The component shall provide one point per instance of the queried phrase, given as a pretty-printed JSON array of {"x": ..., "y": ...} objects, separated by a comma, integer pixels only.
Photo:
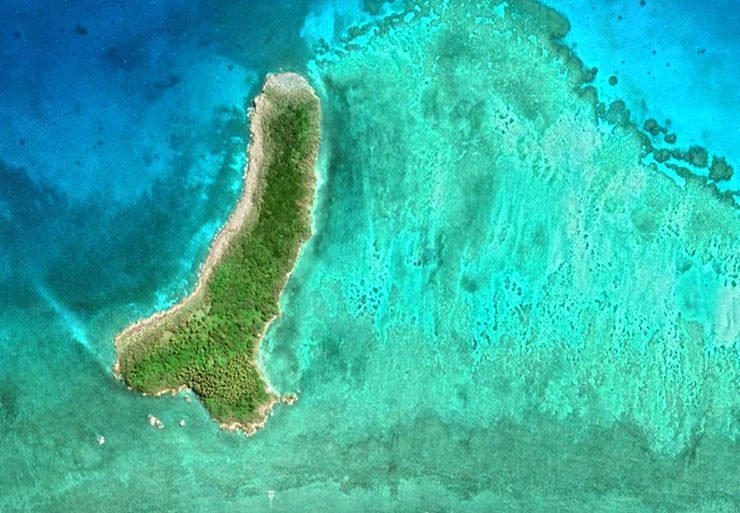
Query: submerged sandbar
[{"x": 208, "y": 341}]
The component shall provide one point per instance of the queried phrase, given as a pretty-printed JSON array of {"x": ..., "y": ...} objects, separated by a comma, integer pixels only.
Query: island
[{"x": 208, "y": 342}]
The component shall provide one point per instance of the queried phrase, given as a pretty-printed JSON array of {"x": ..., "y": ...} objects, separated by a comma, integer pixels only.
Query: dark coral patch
[{"x": 720, "y": 169}]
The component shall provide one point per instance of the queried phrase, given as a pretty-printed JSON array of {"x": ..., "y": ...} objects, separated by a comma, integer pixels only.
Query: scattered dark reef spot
[
  {"x": 613, "y": 80},
  {"x": 373, "y": 6},
  {"x": 644, "y": 221},
  {"x": 662, "y": 155},
  {"x": 8, "y": 404},
  {"x": 156, "y": 88},
  {"x": 125, "y": 58},
  {"x": 652, "y": 127},
  {"x": 698, "y": 156},
  {"x": 469, "y": 284},
  {"x": 617, "y": 113},
  {"x": 590, "y": 74},
  {"x": 81, "y": 30},
  {"x": 720, "y": 169}
]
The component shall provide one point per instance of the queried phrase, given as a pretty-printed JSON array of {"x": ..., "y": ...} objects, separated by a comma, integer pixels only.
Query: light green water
[
  {"x": 501, "y": 310},
  {"x": 500, "y": 297}
]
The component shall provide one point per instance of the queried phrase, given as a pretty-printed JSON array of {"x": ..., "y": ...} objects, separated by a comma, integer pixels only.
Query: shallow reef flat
[
  {"x": 208, "y": 341},
  {"x": 504, "y": 306},
  {"x": 516, "y": 226},
  {"x": 502, "y": 284}
]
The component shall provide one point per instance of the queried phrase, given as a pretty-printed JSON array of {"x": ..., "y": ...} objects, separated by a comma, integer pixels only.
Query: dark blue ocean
[{"x": 124, "y": 129}]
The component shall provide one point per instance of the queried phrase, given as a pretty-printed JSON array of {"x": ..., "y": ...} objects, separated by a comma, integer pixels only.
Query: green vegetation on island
[{"x": 209, "y": 341}]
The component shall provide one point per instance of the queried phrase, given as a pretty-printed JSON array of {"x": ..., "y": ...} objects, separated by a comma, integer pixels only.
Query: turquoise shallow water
[{"x": 501, "y": 309}]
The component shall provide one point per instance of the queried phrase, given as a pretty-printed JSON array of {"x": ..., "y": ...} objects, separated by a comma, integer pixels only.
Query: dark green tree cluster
[{"x": 210, "y": 345}]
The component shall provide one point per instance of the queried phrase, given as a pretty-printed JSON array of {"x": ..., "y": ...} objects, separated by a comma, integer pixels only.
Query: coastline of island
[{"x": 208, "y": 341}]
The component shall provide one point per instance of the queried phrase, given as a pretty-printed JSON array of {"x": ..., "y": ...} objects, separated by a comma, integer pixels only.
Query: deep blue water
[
  {"x": 122, "y": 147},
  {"x": 121, "y": 153},
  {"x": 676, "y": 61}
]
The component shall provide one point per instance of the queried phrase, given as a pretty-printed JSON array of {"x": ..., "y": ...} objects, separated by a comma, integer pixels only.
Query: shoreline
[
  {"x": 244, "y": 213},
  {"x": 245, "y": 206}
]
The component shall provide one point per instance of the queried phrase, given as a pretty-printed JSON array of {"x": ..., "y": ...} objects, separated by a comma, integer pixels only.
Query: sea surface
[{"x": 503, "y": 307}]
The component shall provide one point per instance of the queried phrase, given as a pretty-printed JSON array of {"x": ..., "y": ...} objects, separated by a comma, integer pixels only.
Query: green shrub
[{"x": 210, "y": 345}]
